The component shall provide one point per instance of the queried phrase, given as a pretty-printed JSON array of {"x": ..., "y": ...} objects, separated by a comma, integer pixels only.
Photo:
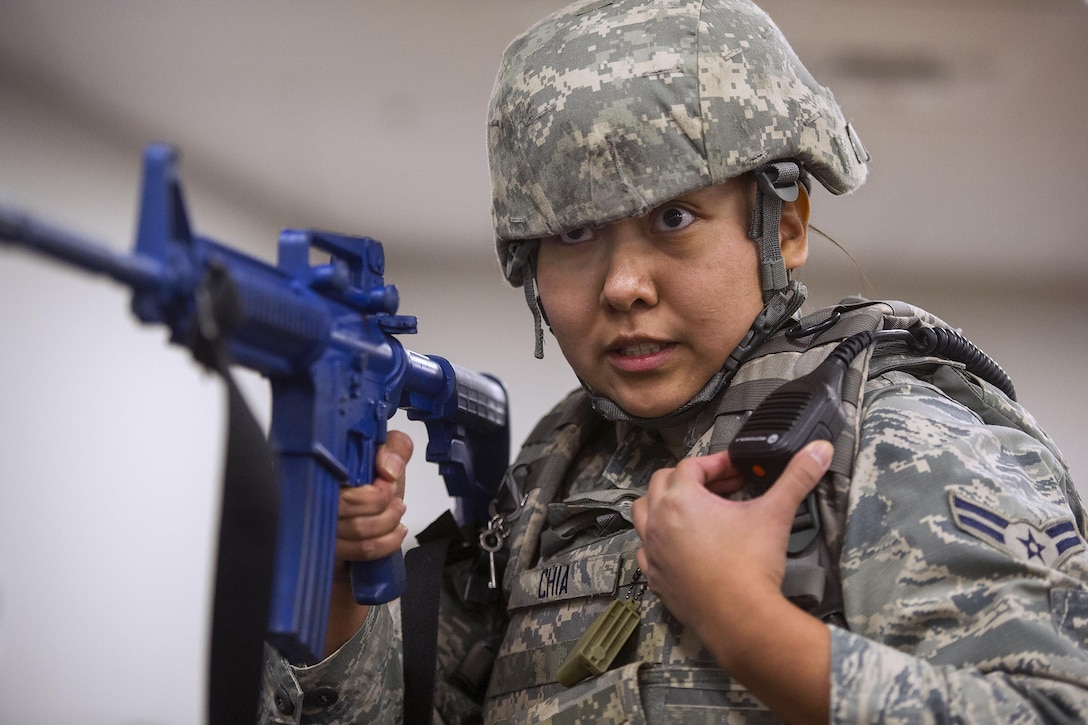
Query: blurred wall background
[{"x": 367, "y": 117}]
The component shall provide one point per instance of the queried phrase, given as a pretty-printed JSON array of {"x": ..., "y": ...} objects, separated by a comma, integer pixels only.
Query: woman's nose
[{"x": 629, "y": 278}]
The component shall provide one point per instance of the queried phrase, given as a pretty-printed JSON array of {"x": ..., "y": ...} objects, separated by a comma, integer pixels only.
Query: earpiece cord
[{"x": 937, "y": 341}]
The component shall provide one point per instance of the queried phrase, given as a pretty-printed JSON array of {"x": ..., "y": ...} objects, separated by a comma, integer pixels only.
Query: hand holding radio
[{"x": 709, "y": 557}]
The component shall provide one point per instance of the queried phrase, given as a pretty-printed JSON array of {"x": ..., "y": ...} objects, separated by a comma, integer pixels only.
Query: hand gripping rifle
[{"x": 324, "y": 336}]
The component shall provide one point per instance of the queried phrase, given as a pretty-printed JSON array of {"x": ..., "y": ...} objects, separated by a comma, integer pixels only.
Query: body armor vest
[{"x": 572, "y": 555}]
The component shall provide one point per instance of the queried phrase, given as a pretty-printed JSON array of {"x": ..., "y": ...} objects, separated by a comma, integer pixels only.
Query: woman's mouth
[
  {"x": 640, "y": 356},
  {"x": 642, "y": 348}
]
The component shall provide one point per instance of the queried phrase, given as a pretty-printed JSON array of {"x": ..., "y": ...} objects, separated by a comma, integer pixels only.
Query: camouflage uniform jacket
[{"x": 948, "y": 515}]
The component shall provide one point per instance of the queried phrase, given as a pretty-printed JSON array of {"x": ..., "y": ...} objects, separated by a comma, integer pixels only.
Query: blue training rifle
[{"x": 324, "y": 336}]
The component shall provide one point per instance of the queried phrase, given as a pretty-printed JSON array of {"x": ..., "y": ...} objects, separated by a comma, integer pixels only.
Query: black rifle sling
[
  {"x": 419, "y": 616},
  {"x": 248, "y": 523},
  {"x": 243, "y": 573}
]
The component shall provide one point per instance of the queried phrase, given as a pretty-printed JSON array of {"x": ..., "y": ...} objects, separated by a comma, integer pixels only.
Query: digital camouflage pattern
[
  {"x": 964, "y": 569},
  {"x": 605, "y": 110},
  {"x": 959, "y": 536},
  {"x": 353, "y": 685},
  {"x": 586, "y": 549}
]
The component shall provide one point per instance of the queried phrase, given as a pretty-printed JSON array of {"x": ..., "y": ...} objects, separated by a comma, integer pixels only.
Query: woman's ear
[{"x": 794, "y": 229}]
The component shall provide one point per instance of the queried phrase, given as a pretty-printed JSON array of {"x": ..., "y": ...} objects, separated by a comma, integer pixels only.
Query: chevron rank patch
[{"x": 1050, "y": 544}]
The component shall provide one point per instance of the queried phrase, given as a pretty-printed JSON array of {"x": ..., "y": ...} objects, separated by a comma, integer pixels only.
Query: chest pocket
[
  {"x": 660, "y": 676},
  {"x": 551, "y": 606}
]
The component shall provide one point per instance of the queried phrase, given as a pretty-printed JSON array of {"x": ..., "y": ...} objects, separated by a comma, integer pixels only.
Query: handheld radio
[{"x": 810, "y": 407}]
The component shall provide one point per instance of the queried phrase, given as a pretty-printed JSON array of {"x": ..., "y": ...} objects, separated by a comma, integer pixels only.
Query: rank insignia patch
[{"x": 1050, "y": 543}]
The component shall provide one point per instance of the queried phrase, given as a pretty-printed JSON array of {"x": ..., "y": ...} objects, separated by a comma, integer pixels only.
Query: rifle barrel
[{"x": 21, "y": 229}]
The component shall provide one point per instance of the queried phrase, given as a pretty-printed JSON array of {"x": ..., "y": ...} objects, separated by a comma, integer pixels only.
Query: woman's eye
[
  {"x": 574, "y": 236},
  {"x": 671, "y": 218}
]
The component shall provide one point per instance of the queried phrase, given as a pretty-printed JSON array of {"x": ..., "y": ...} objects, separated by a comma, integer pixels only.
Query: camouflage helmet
[{"x": 607, "y": 109}]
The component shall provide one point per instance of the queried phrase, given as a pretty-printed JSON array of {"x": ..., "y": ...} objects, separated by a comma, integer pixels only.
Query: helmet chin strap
[
  {"x": 776, "y": 183},
  {"x": 523, "y": 254}
]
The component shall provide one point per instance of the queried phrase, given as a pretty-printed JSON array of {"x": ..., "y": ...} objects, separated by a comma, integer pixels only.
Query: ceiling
[{"x": 367, "y": 116}]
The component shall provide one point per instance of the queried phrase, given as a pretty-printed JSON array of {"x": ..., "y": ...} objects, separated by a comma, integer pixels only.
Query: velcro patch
[
  {"x": 1050, "y": 543},
  {"x": 562, "y": 580}
]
